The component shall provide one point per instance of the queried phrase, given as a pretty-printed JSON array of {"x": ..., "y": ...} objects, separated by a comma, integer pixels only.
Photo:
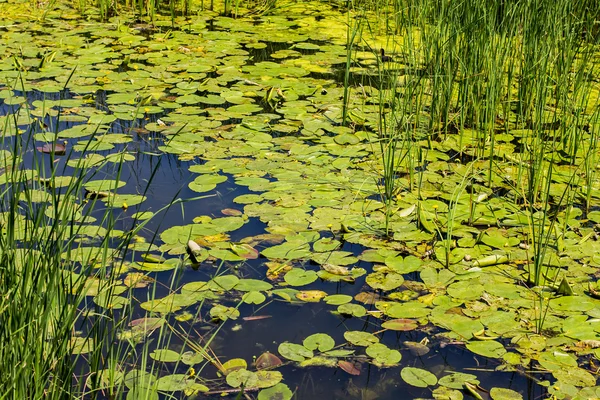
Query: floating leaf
[
  {"x": 456, "y": 380},
  {"x": 572, "y": 303},
  {"x": 411, "y": 309},
  {"x": 224, "y": 313},
  {"x": 267, "y": 379},
  {"x": 489, "y": 348},
  {"x": 233, "y": 365},
  {"x": 300, "y": 277},
  {"x": 338, "y": 299},
  {"x": 465, "y": 290},
  {"x": 418, "y": 377},
  {"x": 555, "y": 360},
  {"x": 172, "y": 383},
  {"x": 319, "y": 341},
  {"x": 575, "y": 376},
  {"x": 241, "y": 377},
  {"x": 247, "y": 285},
  {"x": 319, "y": 361},
  {"x": 288, "y": 251},
  {"x": 253, "y": 298},
  {"x": 505, "y": 394},
  {"x": 191, "y": 358},
  {"x": 311, "y": 296},
  {"x": 353, "y": 310},
  {"x": 359, "y": 338},
  {"x": 277, "y": 392},
  {"x": 244, "y": 250},
  {"x": 165, "y": 355},
  {"x": 386, "y": 282},
  {"x": 400, "y": 324},
  {"x": 383, "y": 355},
  {"x": 294, "y": 352}
]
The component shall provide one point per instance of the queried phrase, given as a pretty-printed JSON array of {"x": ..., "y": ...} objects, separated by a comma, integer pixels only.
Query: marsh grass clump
[
  {"x": 472, "y": 73},
  {"x": 60, "y": 244}
]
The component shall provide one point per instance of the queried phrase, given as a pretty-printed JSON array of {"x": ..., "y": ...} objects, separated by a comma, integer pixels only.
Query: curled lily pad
[
  {"x": 57, "y": 149},
  {"x": 244, "y": 250},
  {"x": 267, "y": 360},
  {"x": 349, "y": 367}
]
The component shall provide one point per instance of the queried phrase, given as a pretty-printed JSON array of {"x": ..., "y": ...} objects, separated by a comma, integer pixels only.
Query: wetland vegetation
[{"x": 310, "y": 200}]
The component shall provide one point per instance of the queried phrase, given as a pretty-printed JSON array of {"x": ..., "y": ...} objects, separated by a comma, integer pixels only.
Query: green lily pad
[
  {"x": 278, "y": 392},
  {"x": 411, "y": 309},
  {"x": 487, "y": 348},
  {"x": 224, "y": 313},
  {"x": 465, "y": 290},
  {"x": 288, "y": 251},
  {"x": 456, "y": 380},
  {"x": 383, "y": 356},
  {"x": 575, "y": 376},
  {"x": 165, "y": 355},
  {"x": 319, "y": 341},
  {"x": 505, "y": 394},
  {"x": 247, "y": 285},
  {"x": 572, "y": 303},
  {"x": 557, "y": 360},
  {"x": 418, "y": 377},
  {"x": 172, "y": 383},
  {"x": 300, "y": 277},
  {"x": 253, "y": 298},
  {"x": 386, "y": 282},
  {"x": 354, "y": 310},
  {"x": 359, "y": 338},
  {"x": 294, "y": 352},
  {"x": 400, "y": 324},
  {"x": 206, "y": 183},
  {"x": 337, "y": 299}
]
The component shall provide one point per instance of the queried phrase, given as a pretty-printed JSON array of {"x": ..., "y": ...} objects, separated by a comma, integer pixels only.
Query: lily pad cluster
[{"x": 450, "y": 254}]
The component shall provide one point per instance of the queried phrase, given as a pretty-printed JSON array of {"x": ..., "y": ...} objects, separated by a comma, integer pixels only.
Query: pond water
[{"x": 219, "y": 145}]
